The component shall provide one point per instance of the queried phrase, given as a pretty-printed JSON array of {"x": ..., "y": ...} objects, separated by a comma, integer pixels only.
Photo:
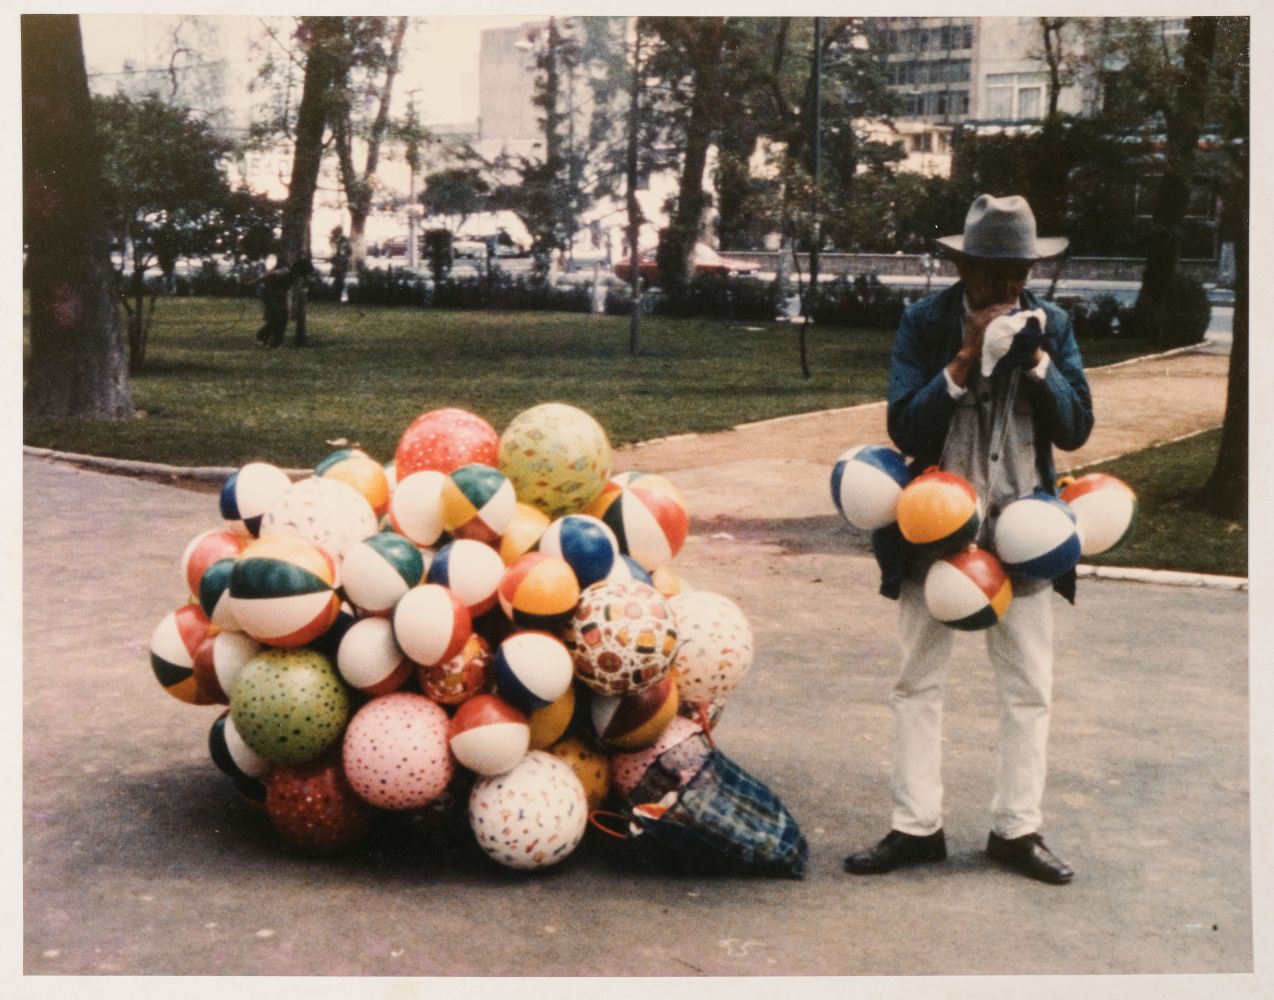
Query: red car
[{"x": 703, "y": 260}]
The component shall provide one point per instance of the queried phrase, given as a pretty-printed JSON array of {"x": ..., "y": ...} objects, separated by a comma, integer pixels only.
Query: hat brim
[{"x": 1046, "y": 248}]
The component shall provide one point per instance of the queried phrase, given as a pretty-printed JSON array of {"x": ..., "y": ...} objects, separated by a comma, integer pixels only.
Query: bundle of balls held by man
[
  {"x": 489, "y": 623},
  {"x": 1039, "y": 537}
]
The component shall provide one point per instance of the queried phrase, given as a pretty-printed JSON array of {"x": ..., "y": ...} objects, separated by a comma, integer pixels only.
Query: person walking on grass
[
  {"x": 997, "y": 431},
  {"x": 276, "y": 294}
]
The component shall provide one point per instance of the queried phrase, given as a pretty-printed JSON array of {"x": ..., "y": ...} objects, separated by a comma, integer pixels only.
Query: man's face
[{"x": 993, "y": 282}]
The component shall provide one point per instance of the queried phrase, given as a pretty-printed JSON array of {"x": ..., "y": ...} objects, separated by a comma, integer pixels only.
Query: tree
[
  {"x": 77, "y": 364},
  {"x": 455, "y": 193},
  {"x": 164, "y": 184}
]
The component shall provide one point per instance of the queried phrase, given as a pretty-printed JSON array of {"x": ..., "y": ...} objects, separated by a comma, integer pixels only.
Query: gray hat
[{"x": 1003, "y": 229}]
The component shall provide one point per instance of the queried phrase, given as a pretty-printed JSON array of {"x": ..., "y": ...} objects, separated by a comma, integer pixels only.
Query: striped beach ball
[
  {"x": 586, "y": 543},
  {"x": 647, "y": 514},
  {"x": 205, "y": 549},
  {"x": 551, "y": 721},
  {"x": 939, "y": 512},
  {"x": 214, "y": 594},
  {"x": 1038, "y": 537},
  {"x": 283, "y": 591},
  {"x": 415, "y": 507},
  {"x": 532, "y": 669},
  {"x": 488, "y": 735},
  {"x": 635, "y": 720},
  {"x": 174, "y": 645},
  {"x": 325, "y": 512},
  {"x": 218, "y": 662},
  {"x": 523, "y": 532},
  {"x": 370, "y": 659},
  {"x": 539, "y": 591},
  {"x": 377, "y": 571},
  {"x": 628, "y": 568},
  {"x": 969, "y": 590},
  {"x": 471, "y": 570},
  {"x": 249, "y": 493},
  {"x": 866, "y": 484},
  {"x": 431, "y": 624},
  {"x": 238, "y": 761},
  {"x": 445, "y": 439},
  {"x": 477, "y": 502},
  {"x": 1106, "y": 508},
  {"x": 356, "y": 468},
  {"x": 628, "y": 768}
]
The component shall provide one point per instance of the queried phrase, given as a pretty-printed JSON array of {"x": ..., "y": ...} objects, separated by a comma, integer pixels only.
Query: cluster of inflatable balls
[
  {"x": 1037, "y": 537},
  {"x": 489, "y": 621}
]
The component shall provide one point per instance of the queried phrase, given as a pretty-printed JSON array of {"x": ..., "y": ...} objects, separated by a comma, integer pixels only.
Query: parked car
[
  {"x": 472, "y": 249},
  {"x": 393, "y": 246},
  {"x": 703, "y": 260}
]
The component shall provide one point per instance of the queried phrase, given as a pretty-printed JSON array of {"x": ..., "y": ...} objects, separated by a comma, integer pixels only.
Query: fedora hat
[{"x": 1002, "y": 229}]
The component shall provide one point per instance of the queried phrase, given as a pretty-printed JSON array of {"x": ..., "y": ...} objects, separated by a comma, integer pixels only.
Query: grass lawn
[
  {"x": 1170, "y": 531},
  {"x": 210, "y": 397}
]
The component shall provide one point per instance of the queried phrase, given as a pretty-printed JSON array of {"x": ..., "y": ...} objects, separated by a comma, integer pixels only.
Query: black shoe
[
  {"x": 1028, "y": 855},
  {"x": 895, "y": 850}
]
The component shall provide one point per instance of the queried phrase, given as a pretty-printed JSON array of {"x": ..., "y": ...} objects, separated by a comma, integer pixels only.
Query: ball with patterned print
[
  {"x": 622, "y": 637},
  {"x": 714, "y": 649},
  {"x": 532, "y": 816}
]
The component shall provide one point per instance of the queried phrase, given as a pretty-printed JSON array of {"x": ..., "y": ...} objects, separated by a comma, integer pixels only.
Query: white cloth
[
  {"x": 1021, "y": 654},
  {"x": 1000, "y": 333}
]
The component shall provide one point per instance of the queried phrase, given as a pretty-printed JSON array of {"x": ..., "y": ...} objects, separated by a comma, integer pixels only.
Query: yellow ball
[
  {"x": 524, "y": 530},
  {"x": 591, "y": 767},
  {"x": 550, "y": 722}
]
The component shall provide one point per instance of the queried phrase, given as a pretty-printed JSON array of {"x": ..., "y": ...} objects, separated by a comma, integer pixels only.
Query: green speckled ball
[{"x": 289, "y": 705}]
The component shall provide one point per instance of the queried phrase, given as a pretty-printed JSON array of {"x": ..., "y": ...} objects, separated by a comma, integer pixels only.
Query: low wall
[{"x": 912, "y": 265}]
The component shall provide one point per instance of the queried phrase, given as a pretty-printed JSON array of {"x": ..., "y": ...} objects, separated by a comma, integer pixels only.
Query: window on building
[
  {"x": 922, "y": 142},
  {"x": 1029, "y": 101},
  {"x": 1014, "y": 96},
  {"x": 999, "y": 95}
]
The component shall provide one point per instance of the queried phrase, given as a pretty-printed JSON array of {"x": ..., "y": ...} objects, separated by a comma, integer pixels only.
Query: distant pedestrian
[
  {"x": 276, "y": 293},
  {"x": 999, "y": 433}
]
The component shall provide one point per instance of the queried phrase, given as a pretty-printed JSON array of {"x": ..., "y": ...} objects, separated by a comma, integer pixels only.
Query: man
[
  {"x": 998, "y": 431},
  {"x": 276, "y": 292}
]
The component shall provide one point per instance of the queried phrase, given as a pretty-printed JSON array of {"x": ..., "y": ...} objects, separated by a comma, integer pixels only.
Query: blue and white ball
[
  {"x": 866, "y": 483},
  {"x": 472, "y": 570},
  {"x": 1038, "y": 537},
  {"x": 586, "y": 543},
  {"x": 532, "y": 669},
  {"x": 626, "y": 569},
  {"x": 249, "y": 493},
  {"x": 377, "y": 571}
]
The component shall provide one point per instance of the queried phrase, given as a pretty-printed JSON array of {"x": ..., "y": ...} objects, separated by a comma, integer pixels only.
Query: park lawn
[
  {"x": 1171, "y": 531},
  {"x": 209, "y": 396}
]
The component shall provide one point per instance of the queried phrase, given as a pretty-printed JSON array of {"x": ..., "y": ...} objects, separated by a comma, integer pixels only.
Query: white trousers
[{"x": 1020, "y": 647}]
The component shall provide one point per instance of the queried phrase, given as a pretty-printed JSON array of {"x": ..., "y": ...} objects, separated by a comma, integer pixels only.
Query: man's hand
[{"x": 969, "y": 357}]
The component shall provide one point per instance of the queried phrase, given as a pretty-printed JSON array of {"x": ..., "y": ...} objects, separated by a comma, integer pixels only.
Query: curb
[{"x": 1167, "y": 577}]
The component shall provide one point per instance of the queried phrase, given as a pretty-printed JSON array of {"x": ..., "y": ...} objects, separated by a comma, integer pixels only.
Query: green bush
[
  {"x": 713, "y": 295},
  {"x": 503, "y": 292},
  {"x": 862, "y": 301},
  {"x": 1100, "y": 317},
  {"x": 390, "y": 286},
  {"x": 1186, "y": 314}
]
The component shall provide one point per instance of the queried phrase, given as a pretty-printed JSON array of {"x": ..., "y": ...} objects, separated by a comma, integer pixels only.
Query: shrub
[
  {"x": 711, "y": 295},
  {"x": 862, "y": 301},
  {"x": 1100, "y": 317},
  {"x": 1186, "y": 314},
  {"x": 391, "y": 286}
]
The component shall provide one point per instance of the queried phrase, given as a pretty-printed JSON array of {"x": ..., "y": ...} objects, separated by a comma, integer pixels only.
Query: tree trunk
[
  {"x": 634, "y": 206},
  {"x": 77, "y": 365},
  {"x": 1154, "y": 300}
]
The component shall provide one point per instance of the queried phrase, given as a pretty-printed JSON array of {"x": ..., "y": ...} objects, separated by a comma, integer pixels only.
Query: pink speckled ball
[
  {"x": 395, "y": 752},
  {"x": 532, "y": 816},
  {"x": 627, "y": 769},
  {"x": 443, "y": 440}
]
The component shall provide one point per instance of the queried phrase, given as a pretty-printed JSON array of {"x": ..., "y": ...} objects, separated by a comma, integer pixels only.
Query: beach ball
[
  {"x": 377, "y": 571},
  {"x": 648, "y": 516},
  {"x": 369, "y": 658},
  {"x": 532, "y": 669},
  {"x": 714, "y": 650},
  {"x": 866, "y": 484},
  {"x": 532, "y": 816},
  {"x": 330, "y": 641},
  {"x": 627, "y": 769},
  {"x": 325, "y": 512},
  {"x": 622, "y": 637},
  {"x": 391, "y": 475},
  {"x": 239, "y": 762},
  {"x": 588, "y": 546},
  {"x": 218, "y": 662},
  {"x": 969, "y": 590},
  {"x": 628, "y": 568},
  {"x": 470, "y": 570},
  {"x": 415, "y": 507},
  {"x": 557, "y": 457},
  {"x": 313, "y": 807},
  {"x": 395, "y": 751},
  {"x": 249, "y": 493},
  {"x": 638, "y": 719},
  {"x": 443, "y": 440},
  {"x": 939, "y": 512},
  {"x": 523, "y": 532},
  {"x": 289, "y": 705},
  {"x": 488, "y": 735},
  {"x": 431, "y": 624},
  {"x": 456, "y": 680},
  {"x": 283, "y": 591},
  {"x": 203, "y": 551},
  {"x": 539, "y": 591},
  {"x": 358, "y": 469},
  {"x": 549, "y": 722},
  {"x": 592, "y": 768},
  {"x": 213, "y": 594},
  {"x": 1105, "y": 507},
  {"x": 668, "y": 583},
  {"x": 174, "y": 645},
  {"x": 477, "y": 502},
  {"x": 1038, "y": 537}
]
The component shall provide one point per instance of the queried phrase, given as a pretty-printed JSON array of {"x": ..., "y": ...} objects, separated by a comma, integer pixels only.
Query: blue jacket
[{"x": 920, "y": 408}]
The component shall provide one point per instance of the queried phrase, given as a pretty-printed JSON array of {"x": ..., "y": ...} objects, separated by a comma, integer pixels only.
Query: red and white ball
[
  {"x": 218, "y": 662},
  {"x": 370, "y": 659},
  {"x": 969, "y": 591},
  {"x": 638, "y": 719},
  {"x": 431, "y": 624},
  {"x": 1106, "y": 508},
  {"x": 488, "y": 735},
  {"x": 647, "y": 514},
  {"x": 205, "y": 549},
  {"x": 415, "y": 507}
]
